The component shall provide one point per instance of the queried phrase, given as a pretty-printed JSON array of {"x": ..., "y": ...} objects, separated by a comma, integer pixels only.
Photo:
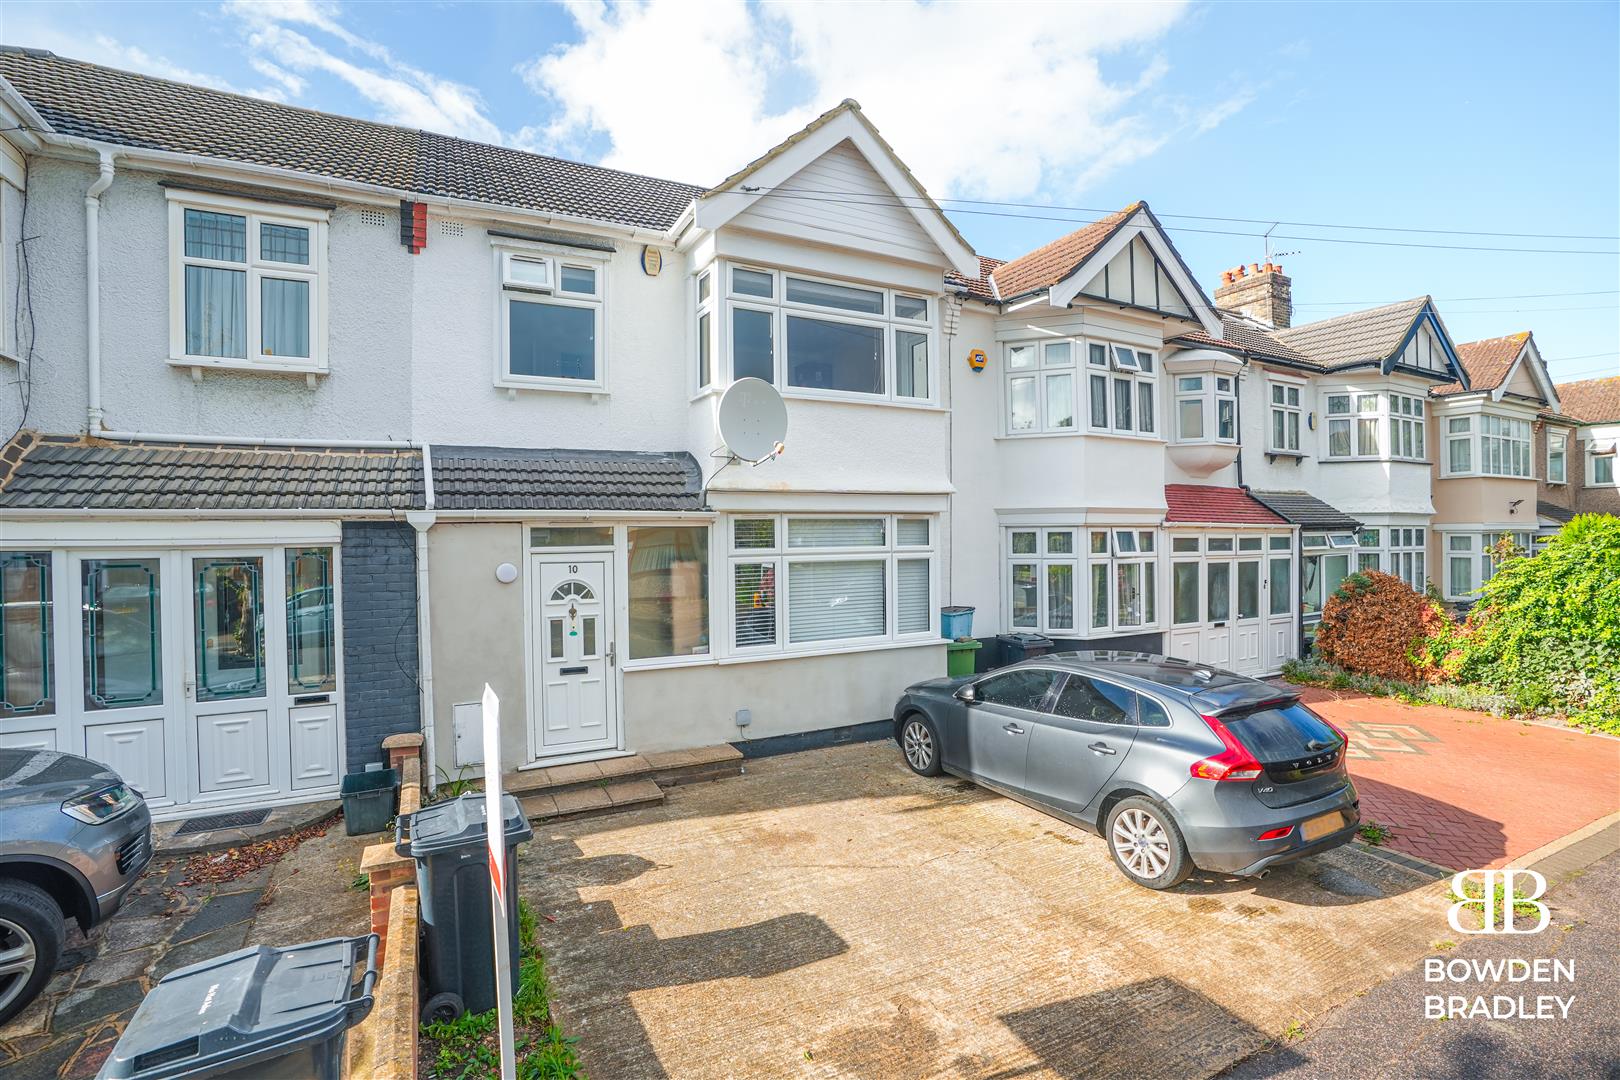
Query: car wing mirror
[{"x": 967, "y": 694}]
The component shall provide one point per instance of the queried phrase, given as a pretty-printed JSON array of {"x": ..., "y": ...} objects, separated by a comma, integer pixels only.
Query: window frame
[
  {"x": 1560, "y": 439},
  {"x": 1512, "y": 441},
  {"x": 781, "y": 556},
  {"x": 781, "y": 309},
  {"x": 1291, "y": 412},
  {"x": 1590, "y": 477},
  {"x": 1116, "y": 373},
  {"x": 315, "y": 219},
  {"x": 1041, "y": 373},
  {"x": 1210, "y": 396},
  {"x": 552, "y": 295}
]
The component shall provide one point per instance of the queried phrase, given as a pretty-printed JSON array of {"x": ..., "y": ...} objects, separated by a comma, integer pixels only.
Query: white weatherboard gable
[
  {"x": 1141, "y": 225},
  {"x": 722, "y": 208},
  {"x": 1135, "y": 276}
]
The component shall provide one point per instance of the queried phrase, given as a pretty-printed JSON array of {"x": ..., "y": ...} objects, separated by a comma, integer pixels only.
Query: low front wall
[{"x": 680, "y": 707}]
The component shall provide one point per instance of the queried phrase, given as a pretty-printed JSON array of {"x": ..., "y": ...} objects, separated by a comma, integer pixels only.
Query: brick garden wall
[{"x": 380, "y": 664}]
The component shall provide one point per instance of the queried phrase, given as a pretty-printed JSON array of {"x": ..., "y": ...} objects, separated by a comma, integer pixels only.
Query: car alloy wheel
[
  {"x": 1141, "y": 843},
  {"x": 917, "y": 742},
  {"x": 17, "y": 960}
]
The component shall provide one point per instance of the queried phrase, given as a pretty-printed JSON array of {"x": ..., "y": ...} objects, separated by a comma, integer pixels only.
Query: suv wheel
[
  {"x": 31, "y": 936},
  {"x": 920, "y": 745},
  {"x": 1146, "y": 845}
]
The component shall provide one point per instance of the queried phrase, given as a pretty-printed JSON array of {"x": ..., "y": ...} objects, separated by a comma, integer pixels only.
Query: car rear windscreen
[{"x": 1282, "y": 732}]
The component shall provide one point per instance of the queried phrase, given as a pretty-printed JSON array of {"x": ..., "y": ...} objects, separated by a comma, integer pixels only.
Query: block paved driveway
[
  {"x": 1465, "y": 790},
  {"x": 830, "y": 914}
]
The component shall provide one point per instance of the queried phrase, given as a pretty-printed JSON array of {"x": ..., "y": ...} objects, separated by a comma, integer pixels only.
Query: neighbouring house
[
  {"x": 324, "y": 424},
  {"x": 1595, "y": 405}
]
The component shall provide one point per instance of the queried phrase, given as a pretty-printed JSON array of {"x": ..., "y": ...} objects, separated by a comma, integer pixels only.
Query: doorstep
[
  {"x": 280, "y": 822},
  {"x": 617, "y": 783}
]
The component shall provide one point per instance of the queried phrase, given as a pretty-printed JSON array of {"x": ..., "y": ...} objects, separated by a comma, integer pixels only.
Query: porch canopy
[
  {"x": 1200, "y": 504},
  {"x": 1307, "y": 511}
]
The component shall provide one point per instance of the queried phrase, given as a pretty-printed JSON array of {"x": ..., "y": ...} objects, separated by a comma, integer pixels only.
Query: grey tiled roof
[
  {"x": 59, "y": 475},
  {"x": 1562, "y": 515},
  {"x": 127, "y": 109},
  {"x": 1245, "y": 336},
  {"x": 1370, "y": 335},
  {"x": 1306, "y": 510},
  {"x": 496, "y": 478}
]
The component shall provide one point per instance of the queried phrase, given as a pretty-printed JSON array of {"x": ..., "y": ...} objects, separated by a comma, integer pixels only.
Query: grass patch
[
  {"x": 1472, "y": 890},
  {"x": 361, "y": 883},
  {"x": 1374, "y": 833},
  {"x": 468, "y": 1047}
]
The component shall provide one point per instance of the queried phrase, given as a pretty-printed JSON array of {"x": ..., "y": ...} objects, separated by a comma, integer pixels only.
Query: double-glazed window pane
[
  {"x": 1025, "y": 595},
  {"x": 1248, "y": 589},
  {"x": 753, "y": 344},
  {"x": 911, "y": 532},
  {"x": 1144, "y": 405},
  {"x": 911, "y": 596},
  {"x": 123, "y": 633},
  {"x": 551, "y": 341},
  {"x": 1021, "y": 403},
  {"x": 1184, "y": 592},
  {"x": 705, "y": 350},
  {"x": 221, "y": 237},
  {"x": 910, "y": 364},
  {"x": 835, "y": 355},
  {"x": 216, "y": 312},
  {"x": 754, "y": 601},
  {"x": 911, "y": 307},
  {"x": 753, "y": 533},
  {"x": 841, "y": 598},
  {"x": 228, "y": 594},
  {"x": 1099, "y": 401},
  {"x": 284, "y": 317},
  {"x": 1059, "y": 401},
  {"x": 1060, "y": 596},
  {"x": 577, "y": 279},
  {"x": 669, "y": 591},
  {"x": 1338, "y": 438},
  {"x": 835, "y": 532},
  {"x": 1220, "y": 591},
  {"x": 1099, "y": 595},
  {"x": 1132, "y": 599},
  {"x": 283, "y": 243},
  {"x": 1122, "y": 404},
  {"x": 1225, "y": 418},
  {"x": 1602, "y": 469},
  {"x": 311, "y": 624},
  {"x": 1190, "y": 418},
  {"x": 752, "y": 283},
  {"x": 1281, "y": 574},
  {"x": 27, "y": 678},
  {"x": 843, "y": 297},
  {"x": 571, "y": 536}
]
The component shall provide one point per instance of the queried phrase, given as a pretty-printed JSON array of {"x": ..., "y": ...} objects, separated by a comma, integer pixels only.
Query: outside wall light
[{"x": 506, "y": 573}]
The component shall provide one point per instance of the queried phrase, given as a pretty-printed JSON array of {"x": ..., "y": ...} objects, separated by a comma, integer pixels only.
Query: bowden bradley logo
[{"x": 1495, "y": 899}]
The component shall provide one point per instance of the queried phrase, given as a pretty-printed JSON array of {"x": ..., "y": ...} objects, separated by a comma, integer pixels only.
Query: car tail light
[
  {"x": 1233, "y": 763},
  {"x": 1275, "y": 834},
  {"x": 1337, "y": 730}
]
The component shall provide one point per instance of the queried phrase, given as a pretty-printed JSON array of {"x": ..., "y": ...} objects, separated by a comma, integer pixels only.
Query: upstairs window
[
  {"x": 1557, "y": 457},
  {"x": 1406, "y": 427},
  {"x": 245, "y": 284},
  {"x": 551, "y": 321},
  {"x": 1285, "y": 417},
  {"x": 1120, "y": 389},
  {"x": 705, "y": 329},
  {"x": 1206, "y": 408},
  {"x": 1040, "y": 387},
  {"x": 1599, "y": 469},
  {"x": 1487, "y": 445}
]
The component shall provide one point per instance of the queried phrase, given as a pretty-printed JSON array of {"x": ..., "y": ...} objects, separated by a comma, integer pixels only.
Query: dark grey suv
[
  {"x": 1177, "y": 765},
  {"x": 73, "y": 839}
]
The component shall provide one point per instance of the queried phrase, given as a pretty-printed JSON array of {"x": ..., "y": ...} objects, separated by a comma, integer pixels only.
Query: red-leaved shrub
[{"x": 1371, "y": 623}]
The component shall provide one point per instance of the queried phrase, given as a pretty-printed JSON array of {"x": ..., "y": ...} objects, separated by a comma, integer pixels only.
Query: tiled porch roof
[
  {"x": 1306, "y": 510},
  {"x": 488, "y": 477},
  {"x": 1553, "y": 512},
  {"x": 1190, "y": 504}
]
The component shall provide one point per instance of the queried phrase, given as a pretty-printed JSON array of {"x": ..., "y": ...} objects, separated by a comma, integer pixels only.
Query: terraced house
[{"x": 322, "y": 424}]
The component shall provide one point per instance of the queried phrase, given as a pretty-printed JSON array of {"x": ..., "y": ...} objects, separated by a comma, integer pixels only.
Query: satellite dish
[{"x": 753, "y": 419}]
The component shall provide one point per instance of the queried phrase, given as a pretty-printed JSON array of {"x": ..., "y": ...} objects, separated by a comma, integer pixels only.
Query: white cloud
[{"x": 979, "y": 99}]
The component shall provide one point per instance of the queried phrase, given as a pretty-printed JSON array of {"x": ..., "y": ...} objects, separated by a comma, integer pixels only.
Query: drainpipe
[
  {"x": 423, "y": 521},
  {"x": 92, "y": 285}
]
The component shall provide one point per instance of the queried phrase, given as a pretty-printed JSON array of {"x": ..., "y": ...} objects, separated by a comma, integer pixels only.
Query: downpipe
[{"x": 92, "y": 285}]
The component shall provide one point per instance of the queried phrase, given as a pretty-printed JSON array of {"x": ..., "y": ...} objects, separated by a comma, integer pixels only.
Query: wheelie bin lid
[
  {"x": 249, "y": 1006},
  {"x": 1025, "y": 639},
  {"x": 457, "y": 823}
]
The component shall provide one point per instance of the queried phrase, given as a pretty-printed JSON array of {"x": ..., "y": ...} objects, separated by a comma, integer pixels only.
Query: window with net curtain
[
  {"x": 229, "y": 281},
  {"x": 669, "y": 591}
]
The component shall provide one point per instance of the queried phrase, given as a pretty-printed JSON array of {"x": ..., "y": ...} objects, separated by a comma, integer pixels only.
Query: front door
[
  {"x": 119, "y": 677},
  {"x": 573, "y": 655},
  {"x": 1246, "y": 625},
  {"x": 234, "y": 641}
]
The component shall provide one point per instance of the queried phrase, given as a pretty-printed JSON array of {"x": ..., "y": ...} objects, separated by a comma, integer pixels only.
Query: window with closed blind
[{"x": 807, "y": 583}]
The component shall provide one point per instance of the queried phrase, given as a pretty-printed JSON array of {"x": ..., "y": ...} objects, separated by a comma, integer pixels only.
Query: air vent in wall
[
  {"x": 452, "y": 228},
  {"x": 374, "y": 217}
]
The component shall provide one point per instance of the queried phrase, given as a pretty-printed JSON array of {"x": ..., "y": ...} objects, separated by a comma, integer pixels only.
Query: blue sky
[{"x": 1482, "y": 117}]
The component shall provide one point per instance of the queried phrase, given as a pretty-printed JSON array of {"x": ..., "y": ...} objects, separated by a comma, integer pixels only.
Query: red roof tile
[
  {"x": 1592, "y": 401},
  {"x": 1487, "y": 362},
  {"x": 1215, "y": 505},
  {"x": 1051, "y": 263},
  {"x": 979, "y": 287}
]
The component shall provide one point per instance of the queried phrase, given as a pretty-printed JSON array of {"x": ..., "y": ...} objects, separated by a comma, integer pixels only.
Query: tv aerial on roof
[{"x": 752, "y": 421}]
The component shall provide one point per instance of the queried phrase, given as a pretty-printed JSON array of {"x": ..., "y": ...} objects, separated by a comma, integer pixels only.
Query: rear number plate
[{"x": 1318, "y": 827}]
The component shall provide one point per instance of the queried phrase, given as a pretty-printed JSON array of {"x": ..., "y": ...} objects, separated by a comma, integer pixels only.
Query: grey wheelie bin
[
  {"x": 452, "y": 875},
  {"x": 255, "y": 1014}
]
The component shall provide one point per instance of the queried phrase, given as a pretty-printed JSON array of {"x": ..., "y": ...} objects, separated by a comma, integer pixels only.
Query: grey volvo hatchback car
[
  {"x": 73, "y": 839},
  {"x": 1177, "y": 765}
]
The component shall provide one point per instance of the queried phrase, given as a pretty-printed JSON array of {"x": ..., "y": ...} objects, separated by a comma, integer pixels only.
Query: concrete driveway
[{"x": 832, "y": 915}]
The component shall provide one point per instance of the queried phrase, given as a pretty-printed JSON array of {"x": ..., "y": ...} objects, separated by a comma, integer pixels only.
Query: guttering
[
  {"x": 267, "y": 441},
  {"x": 92, "y": 289},
  {"x": 201, "y": 513},
  {"x": 427, "y": 476},
  {"x": 423, "y": 521}
]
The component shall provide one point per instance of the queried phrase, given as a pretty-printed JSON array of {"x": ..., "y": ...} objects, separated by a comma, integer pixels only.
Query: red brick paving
[{"x": 1466, "y": 790}]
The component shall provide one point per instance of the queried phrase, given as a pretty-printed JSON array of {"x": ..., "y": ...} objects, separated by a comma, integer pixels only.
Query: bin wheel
[{"x": 443, "y": 1007}]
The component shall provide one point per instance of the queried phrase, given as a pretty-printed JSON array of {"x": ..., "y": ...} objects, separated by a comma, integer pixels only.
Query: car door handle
[
  {"x": 1012, "y": 729},
  {"x": 1102, "y": 748}
]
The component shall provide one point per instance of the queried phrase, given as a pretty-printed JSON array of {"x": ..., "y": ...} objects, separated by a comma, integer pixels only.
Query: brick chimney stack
[{"x": 1259, "y": 290}]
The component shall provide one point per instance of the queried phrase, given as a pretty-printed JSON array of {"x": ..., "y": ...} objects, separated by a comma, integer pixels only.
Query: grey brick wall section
[{"x": 380, "y": 665}]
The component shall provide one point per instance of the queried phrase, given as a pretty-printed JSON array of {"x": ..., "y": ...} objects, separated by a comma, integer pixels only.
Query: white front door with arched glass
[{"x": 573, "y": 656}]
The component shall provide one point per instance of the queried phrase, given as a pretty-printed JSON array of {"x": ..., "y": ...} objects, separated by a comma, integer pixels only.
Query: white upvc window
[
  {"x": 1043, "y": 571},
  {"x": 1206, "y": 408},
  {"x": 1471, "y": 560},
  {"x": 1557, "y": 457},
  {"x": 1121, "y": 389},
  {"x": 549, "y": 320},
  {"x": 1040, "y": 387},
  {"x": 704, "y": 326},
  {"x": 802, "y": 584},
  {"x": 1406, "y": 427},
  {"x": 1286, "y": 413},
  {"x": 1599, "y": 467},
  {"x": 247, "y": 284},
  {"x": 1397, "y": 550},
  {"x": 1121, "y": 579},
  {"x": 817, "y": 337},
  {"x": 1326, "y": 560},
  {"x": 1488, "y": 445}
]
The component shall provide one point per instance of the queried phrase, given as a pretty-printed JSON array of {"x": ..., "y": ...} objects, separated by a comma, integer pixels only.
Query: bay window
[
  {"x": 808, "y": 582},
  {"x": 1206, "y": 408},
  {"x": 1043, "y": 565},
  {"x": 1557, "y": 457},
  {"x": 1285, "y": 417},
  {"x": 246, "y": 284},
  {"x": 1070, "y": 581},
  {"x": 1406, "y": 427},
  {"x": 828, "y": 337},
  {"x": 1488, "y": 445},
  {"x": 551, "y": 321},
  {"x": 1122, "y": 579},
  {"x": 1040, "y": 387},
  {"x": 1471, "y": 559},
  {"x": 669, "y": 591},
  {"x": 1120, "y": 389}
]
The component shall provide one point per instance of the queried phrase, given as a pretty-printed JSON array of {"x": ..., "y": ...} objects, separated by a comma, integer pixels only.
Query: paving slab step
[
  {"x": 665, "y": 768},
  {"x": 601, "y": 798}
]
